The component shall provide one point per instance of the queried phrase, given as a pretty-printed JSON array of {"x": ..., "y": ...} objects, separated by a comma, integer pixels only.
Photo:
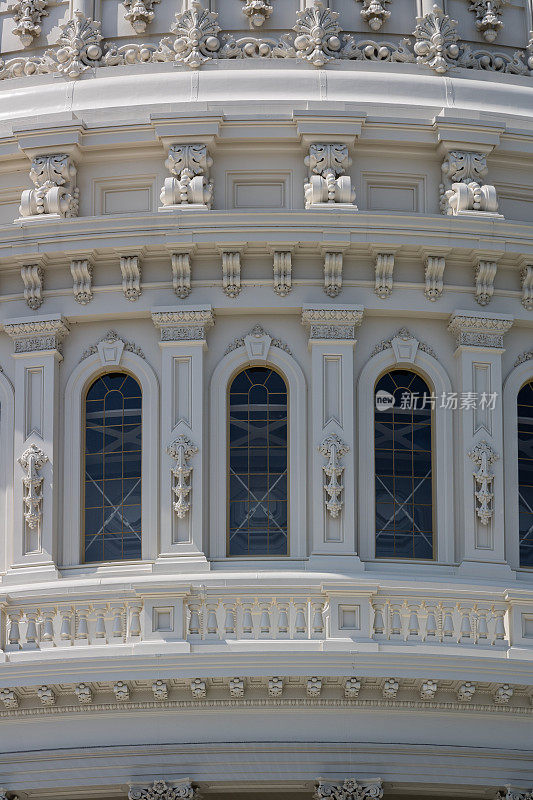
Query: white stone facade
[{"x": 331, "y": 192}]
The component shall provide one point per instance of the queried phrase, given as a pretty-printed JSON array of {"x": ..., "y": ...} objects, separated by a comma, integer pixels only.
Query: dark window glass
[
  {"x": 403, "y": 475},
  {"x": 257, "y": 493},
  {"x": 525, "y": 474},
  {"x": 112, "y": 472}
]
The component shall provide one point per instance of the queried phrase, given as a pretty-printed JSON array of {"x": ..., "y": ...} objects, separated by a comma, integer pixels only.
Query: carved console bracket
[
  {"x": 231, "y": 273},
  {"x": 484, "y": 274},
  {"x": 33, "y": 279},
  {"x": 527, "y": 284},
  {"x": 483, "y": 457},
  {"x": 130, "y": 268},
  {"x": 384, "y": 268},
  {"x": 350, "y": 789},
  {"x": 434, "y": 272},
  {"x": 463, "y": 191},
  {"x": 282, "y": 272},
  {"x": 332, "y": 322},
  {"x": 327, "y": 185},
  {"x": 333, "y": 272},
  {"x": 181, "y": 273},
  {"x": 191, "y": 187},
  {"x": 31, "y": 462},
  {"x": 182, "y": 450},
  {"x": 333, "y": 449},
  {"x": 55, "y": 194},
  {"x": 82, "y": 275}
]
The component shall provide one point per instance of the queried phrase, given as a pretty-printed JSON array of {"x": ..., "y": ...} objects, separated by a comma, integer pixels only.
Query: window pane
[
  {"x": 112, "y": 517},
  {"x": 403, "y": 475},
  {"x": 257, "y": 480},
  {"x": 525, "y": 473}
]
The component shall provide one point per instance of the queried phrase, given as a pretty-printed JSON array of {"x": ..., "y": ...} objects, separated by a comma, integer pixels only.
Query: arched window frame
[
  {"x": 224, "y": 373},
  {"x": 7, "y": 426},
  {"x": 520, "y": 375},
  {"x": 438, "y": 382},
  {"x": 75, "y": 391}
]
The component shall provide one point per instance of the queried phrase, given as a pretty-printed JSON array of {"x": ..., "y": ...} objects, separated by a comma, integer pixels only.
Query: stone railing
[{"x": 493, "y": 620}]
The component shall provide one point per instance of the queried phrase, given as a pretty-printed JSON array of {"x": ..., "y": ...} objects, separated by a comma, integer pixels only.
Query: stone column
[
  {"x": 183, "y": 458},
  {"x": 479, "y": 440},
  {"x": 37, "y": 354},
  {"x": 332, "y": 344}
]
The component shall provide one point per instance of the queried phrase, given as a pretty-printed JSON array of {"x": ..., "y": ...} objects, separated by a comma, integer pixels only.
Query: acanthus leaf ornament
[
  {"x": 31, "y": 462},
  {"x": 317, "y": 40},
  {"x": 327, "y": 183},
  {"x": 197, "y": 38},
  {"x": 55, "y": 192},
  {"x": 436, "y": 41},
  {"x": 80, "y": 47},
  {"x": 139, "y": 13},
  {"x": 161, "y": 790},
  {"x": 374, "y": 13},
  {"x": 463, "y": 188},
  {"x": 488, "y": 13},
  {"x": 333, "y": 449},
  {"x": 190, "y": 164},
  {"x": 349, "y": 789},
  {"x": 484, "y": 457},
  {"x": 28, "y": 15},
  {"x": 182, "y": 450},
  {"x": 257, "y": 12}
]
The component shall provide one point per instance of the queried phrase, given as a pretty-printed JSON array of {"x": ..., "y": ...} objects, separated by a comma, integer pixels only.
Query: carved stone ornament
[
  {"x": 333, "y": 273},
  {"x": 181, "y": 274},
  {"x": 82, "y": 275},
  {"x": 182, "y": 450},
  {"x": 484, "y": 457},
  {"x": 479, "y": 331},
  {"x": 332, "y": 322},
  {"x": 130, "y": 268},
  {"x": 80, "y": 47},
  {"x": 28, "y": 15},
  {"x": 258, "y": 342},
  {"x": 510, "y": 793},
  {"x": 282, "y": 272},
  {"x": 139, "y": 13},
  {"x": 317, "y": 38},
  {"x": 485, "y": 272},
  {"x": 33, "y": 278},
  {"x": 110, "y": 348},
  {"x": 256, "y": 11},
  {"x": 191, "y": 186},
  {"x": 384, "y": 268},
  {"x": 37, "y": 335},
  {"x": 333, "y": 450},
  {"x": 160, "y": 790},
  {"x": 350, "y": 789},
  {"x": 463, "y": 189},
  {"x": 436, "y": 41},
  {"x": 231, "y": 273},
  {"x": 197, "y": 38},
  {"x": 375, "y": 13},
  {"x": 488, "y": 13},
  {"x": 327, "y": 184},
  {"x": 31, "y": 462},
  {"x": 405, "y": 346},
  {"x": 523, "y": 357},
  {"x": 55, "y": 192},
  {"x": 434, "y": 272},
  {"x": 527, "y": 287},
  {"x": 188, "y": 323}
]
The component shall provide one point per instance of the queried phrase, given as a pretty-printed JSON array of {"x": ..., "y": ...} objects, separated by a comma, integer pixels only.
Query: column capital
[
  {"x": 32, "y": 334},
  {"x": 183, "y": 324},
  {"x": 328, "y": 322},
  {"x": 475, "y": 329}
]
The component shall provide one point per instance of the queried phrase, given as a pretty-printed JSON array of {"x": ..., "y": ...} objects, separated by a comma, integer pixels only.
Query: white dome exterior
[{"x": 331, "y": 195}]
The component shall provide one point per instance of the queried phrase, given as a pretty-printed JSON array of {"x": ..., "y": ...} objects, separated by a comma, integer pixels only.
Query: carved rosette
[
  {"x": 55, "y": 192},
  {"x": 31, "y": 462},
  {"x": 28, "y": 15},
  {"x": 182, "y": 450},
  {"x": 484, "y": 457},
  {"x": 463, "y": 188},
  {"x": 327, "y": 182},
  {"x": 436, "y": 41},
  {"x": 317, "y": 35},
  {"x": 139, "y": 13},
  {"x": 197, "y": 38},
  {"x": 191, "y": 186},
  {"x": 333, "y": 450},
  {"x": 375, "y": 13}
]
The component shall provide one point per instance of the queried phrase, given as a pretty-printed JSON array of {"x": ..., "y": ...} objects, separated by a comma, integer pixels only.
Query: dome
[{"x": 266, "y": 400}]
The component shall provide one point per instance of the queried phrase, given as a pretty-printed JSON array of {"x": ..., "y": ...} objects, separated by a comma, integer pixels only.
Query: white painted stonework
[{"x": 332, "y": 191}]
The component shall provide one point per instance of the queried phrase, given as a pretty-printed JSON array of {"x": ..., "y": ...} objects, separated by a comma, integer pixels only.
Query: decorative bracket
[
  {"x": 333, "y": 449},
  {"x": 28, "y": 15},
  {"x": 257, "y": 12},
  {"x": 139, "y": 13},
  {"x": 181, "y": 449},
  {"x": 488, "y": 13},
  {"x": 31, "y": 462},
  {"x": 55, "y": 192},
  {"x": 463, "y": 190},
  {"x": 483, "y": 457},
  {"x": 327, "y": 185},
  {"x": 190, "y": 187},
  {"x": 374, "y": 13}
]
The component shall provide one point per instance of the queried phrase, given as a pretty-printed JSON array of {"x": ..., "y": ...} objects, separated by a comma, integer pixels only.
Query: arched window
[
  {"x": 257, "y": 474},
  {"x": 112, "y": 470},
  {"x": 525, "y": 473},
  {"x": 403, "y": 468}
]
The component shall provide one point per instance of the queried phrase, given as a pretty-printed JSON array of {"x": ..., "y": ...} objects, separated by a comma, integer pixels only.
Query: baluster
[
  {"x": 117, "y": 626},
  {"x": 300, "y": 622},
  {"x": 379, "y": 622},
  {"x": 247, "y": 620},
  {"x": 48, "y": 625},
  {"x": 14, "y": 630},
  {"x": 99, "y": 629},
  {"x": 32, "y": 637},
  {"x": 414, "y": 625},
  {"x": 264, "y": 620},
  {"x": 135, "y": 619},
  {"x": 396, "y": 621},
  {"x": 466, "y": 625},
  {"x": 431, "y": 623},
  {"x": 447, "y": 622},
  {"x": 318, "y": 619},
  {"x": 82, "y": 625},
  {"x": 482, "y": 626},
  {"x": 500, "y": 625},
  {"x": 65, "y": 632},
  {"x": 212, "y": 622},
  {"x": 283, "y": 620},
  {"x": 194, "y": 620},
  {"x": 229, "y": 619}
]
